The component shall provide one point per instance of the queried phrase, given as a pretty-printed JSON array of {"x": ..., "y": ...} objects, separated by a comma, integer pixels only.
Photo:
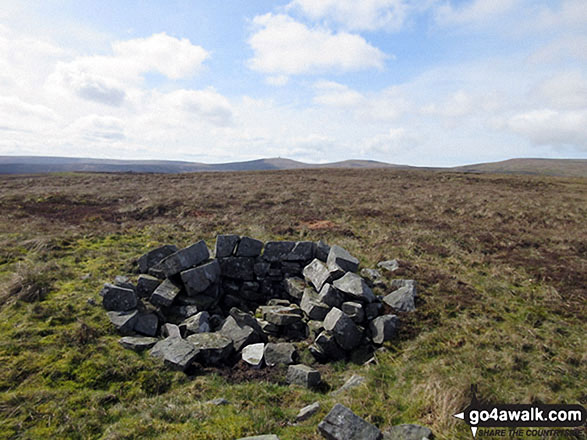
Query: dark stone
[
  {"x": 154, "y": 257},
  {"x": 280, "y": 353},
  {"x": 303, "y": 375},
  {"x": 146, "y": 285},
  {"x": 296, "y": 331},
  {"x": 316, "y": 273},
  {"x": 200, "y": 278},
  {"x": 282, "y": 315},
  {"x": 354, "y": 310},
  {"x": 312, "y": 307},
  {"x": 177, "y": 353},
  {"x": 226, "y": 245},
  {"x": 322, "y": 250},
  {"x": 240, "y": 268},
  {"x": 384, "y": 328},
  {"x": 326, "y": 348},
  {"x": 396, "y": 284},
  {"x": 340, "y": 257},
  {"x": 277, "y": 250},
  {"x": 137, "y": 343},
  {"x": 261, "y": 269},
  {"x": 289, "y": 268},
  {"x": 124, "y": 282},
  {"x": 407, "y": 432},
  {"x": 247, "y": 319},
  {"x": 330, "y": 296},
  {"x": 164, "y": 294},
  {"x": 199, "y": 323},
  {"x": 118, "y": 299},
  {"x": 147, "y": 324},
  {"x": 185, "y": 258},
  {"x": 343, "y": 424},
  {"x": 240, "y": 336},
  {"x": 124, "y": 322},
  {"x": 249, "y": 247},
  {"x": 372, "y": 310},
  {"x": 355, "y": 287},
  {"x": 345, "y": 331},
  {"x": 302, "y": 251},
  {"x": 212, "y": 348}
]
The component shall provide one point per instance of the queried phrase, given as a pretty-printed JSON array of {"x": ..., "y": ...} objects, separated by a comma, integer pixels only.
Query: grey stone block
[
  {"x": 353, "y": 286},
  {"x": 198, "y": 279},
  {"x": 294, "y": 287},
  {"x": 277, "y": 250},
  {"x": 118, "y": 299},
  {"x": 354, "y": 310},
  {"x": 154, "y": 257},
  {"x": 198, "y": 323},
  {"x": 312, "y": 306},
  {"x": 225, "y": 245},
  {"x": 177, "y": 353},
  {"x": 165, "y": 294},
  {"x": 253, "y": 354},
  {"x": 389, "y": 265},
  {"x": 316, "y": 273},
  {"x": 185, "y": 258},
  {"x": 402, "y": 299},
  {"x": 353, "y": 382},
  {"x": 147, "y": 324},
  {"x": 330, "y": 296},
  {"x": 170, "y": 330},
  {"x": 308, "y": 411},
  {"x": 240, "y": 268},
  {"x": 342, "y": 424},
  {"x": 345, "y": 331},
  {"x": 340, "y": 257},
  {"x": 302, "y": 251},
  {"x": 247, "y": 319},
  {"x": 384, "y": 328},
  {"x": 240, "y": 336},
  {"x": 280, "y": 353},
  {"x": 322, "y": 250},
  {"x": 249, "y": 247},
  {"x": 282, "y": 315},
  {"x": 303, "y": 375},
  {"x": 373, "y": 278},
  {"x": 146, "y": 285},
  {"x": 326, "y": 349},
  {"x": 137, "y": 343},
  {"x": 212, "y": 348},
  {"x": 124, "y": 322}
]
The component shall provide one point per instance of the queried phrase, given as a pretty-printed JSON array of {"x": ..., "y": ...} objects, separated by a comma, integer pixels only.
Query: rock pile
[{"x": 248, "y": 299}]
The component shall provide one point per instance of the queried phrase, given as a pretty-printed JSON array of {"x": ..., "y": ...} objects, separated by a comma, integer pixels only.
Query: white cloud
[
  {"x": 278, "y": 80},
  {"x": 356, "y": 15},
  {"x": 337, "y": 95},
  {"x": 568, "y": 48},
  {"x": 474, "y": 12},
  {"x": 18, "y": 115},
  {"x": 206, "y": 104},
  {"x": 396, "y": 141},
  {"x": 567, "y": 90},
  {"x": 569, "y": 14},
  {"x": 284, "y": 46},
  {"x": 97, "y": 128}
]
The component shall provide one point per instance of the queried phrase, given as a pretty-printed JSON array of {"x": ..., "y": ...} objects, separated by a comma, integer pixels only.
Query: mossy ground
[{"x": 500, "y": 261}]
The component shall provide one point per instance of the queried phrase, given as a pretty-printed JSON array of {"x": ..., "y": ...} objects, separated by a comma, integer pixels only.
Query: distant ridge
[{"x": 41, "y": 164}]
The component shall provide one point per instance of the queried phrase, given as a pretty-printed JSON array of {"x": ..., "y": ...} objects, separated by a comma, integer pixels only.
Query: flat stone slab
[
  {"x": 137, "y": 343},
  {"x": 118, "y": 299},
  {"x": 124, "y": 322},
  {"x": 280, "y": 353},
  {"x": 253, "y": 354},
  {"x": 154, "y": 257},
  {"x": 343, "y": 424},
  {"x": 240, "y": 268},
  {"x": 282, "y": 315},
  {"x": 384, "y": 328},
  {"x": 303, "y": 375},
  {"x": 402, "y": 299},
  {"x": 407, "y": 432},
  {"x": 354, "y": 381},
  {"x": 277, "y": 250},
  {"x": 225, "y": 245},
  {"x": 177, "y": 353},
  {"x": 249, "y": 247},
  {"x": 354, "y": 286},
  {"x": 240, "y": 335},
  {"x": 346, "y": 332},
  {"x": 185, "y": 258},
  {"x": 312, "y": 306},
  {"x": 316, "y": 273},
  {"x": 389, "y": 265},
  {"x": 212, "y": 348},
  {"x": 302, "y": 251},
  {"x": 198, "y": 323},
  {"x": 308, "y": 411},
  {"x": 200, "y": 278},
  {"x": 340, "y": 257},
  {"x": 147, "y": 324},
  {"x": 165, "y": 294},
  {"x": 294, "y": 287}
]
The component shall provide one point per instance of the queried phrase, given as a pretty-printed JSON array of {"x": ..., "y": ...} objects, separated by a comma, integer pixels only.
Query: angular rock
[
  {"x": 389, "y": 265},
  {"x": 372, "y": 310},
  {"x": 137, "y": 343},
  {"x": 308, "y": 411},
  {"x": 407, "y": 432},
  {"x": 147, "y": 324},
  {"x": 253, "y": 354},
  {"x": 342, "y": 424},
  {"x": 241, "y": 336},
  {"x": 280, "y": 353},
  {"x": 240, "y": 268},
  {"x": 124, "y": 282},
  {"x": 261, "y": 269},
  {"x": 291, "y": 268},
  {"x": 124, "y": 322},
  {"x": 247, "y": 319},
  {"x": 269, "y": 328},
  {"x": 312, "y": 306},
  {"x": 384, "y": 328},
  {"x": 353, "y": 286},
  {"x": 340, "y": 257},
  {"x": 170, "y": 331},
  {"x": 335, "y": 271},
  {"x": 322, "y": 250},
  {"x": 277, "y": 250},
  {"x": 199, "y": 279},
  {"x": 154, "y": 257},
  {"x": 146, "y": 285},
  {"x": 373, "y": 278},
  {"x": 198, "y": 323},
  {"x": 212, "y": 348},
  {"x": 176, "y": 353},
  {"x": 225, "y": 245},
  {"x": 303, "y": 375},
  {"x": 219, "y": 401},
  {"x": 279, "y": 302},
  {"x": 302, "y": 251},
  {"x": 325, "y": 348},
  {"x": 402, "y": 299},
  {"x": 396, "y": 284},
  {"x": 118, "y": 299},
  {"x": 282, "y": 315},
  {"x": 315, "y": 327},
  {"x": 249, "y": 247},
  {"x": 354, "y": 381},
  {"x": 354, "y": 310},
  {"x": 296, "y": 331},
  {"x": 294, "y": 286},
  {"x": 316, "y": 273},
  {"x": 261, "y": 437},
  {"x": 330, "y": 296},
  {"x": 185, "y": 258},
  {"x": 345, "y": 331},
  {"x": 164, "y": 294}
]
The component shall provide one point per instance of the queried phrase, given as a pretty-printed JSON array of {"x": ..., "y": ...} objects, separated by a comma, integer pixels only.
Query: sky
[{"x": 416, "y": 82}]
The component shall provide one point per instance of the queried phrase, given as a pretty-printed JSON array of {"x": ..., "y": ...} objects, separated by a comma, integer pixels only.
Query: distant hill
[
  {"x": 546, "y": 167},
  {"x": 39, "y": 164}
]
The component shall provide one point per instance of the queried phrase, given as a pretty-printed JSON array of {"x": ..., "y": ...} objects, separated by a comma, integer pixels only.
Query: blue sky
[{"x": 419, "y": 82}]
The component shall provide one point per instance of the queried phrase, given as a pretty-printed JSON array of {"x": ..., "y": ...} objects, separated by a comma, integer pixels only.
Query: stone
[
  {"x": 389, "y": 265},
  {"x": 147, "y": 324},
  {"x": 124, "y": 282},
  {"x": 157, "y": 272},
  {"x": 315, "y": 327},
  {"x": 185, "y": 258},
  {"x": 330, "y": 296},
  {"x": 335, "y": 271},
  {"x": 280, "y": 353},
  {"x": 225, "y": 245},
  {"x": 312, "y": 307},
  {"x": 177, "y": 353},
  {"x": 407, "y": 432},
  {"x": 308, "y": 411},
  {"x": 372, "y": 310},
  {"x": 322, "y": 250},
  {"x": 146, "y": 285},
  {"x": 345, "y": 331},
  {"x": 303, "y": 375},
  {"x": 340, "y": 257},
  {"x": 219, "y": 401},
  {"x": 384, "y": 328},
  {"x": 325, "y": 348},
  {"x": 269, "y": 328},
  {"x": 343, "y": 424},
  {"x": 402, "y": 299},
  {"x": 302, "y": 251},
  {"x": 188, "y": 310},
  {"x": 278, "y": 302},
  {"x": 290, "y": 268},
  {"x": 198, "y": 323},
  {"x": 296, "y": 331},
  {"x": 261, "y": 437},
  {"x": 247, "y": 319},
  {"x": 164, "y": 294},
  {"x": 354, "y": 310},
  {"x": 253, "y": 354},
  {"x": 240, "y": 268},
  {"x": 294, "y": 287},
  {"x": 354, "y": 381},
  {"x": 261, "y": 269},
  {"x": 170, "y": 330},
  {"x": 154, "y": 257},
  {"x": 373, "y": 278},
  {"x": 353, "y": 286},
  {"x": 282, "y": 315},
  {"x": 137, "y": 343},
  {"x": 241, "y": 336},
  {"x": 199, "y": 279},
  {"x": 124, "y": 322},
  {"x": 118, "y": 299},
  {"x": 277, "y": 250},
  {"x": 249, "y": 247},
  {"x": 212, "y": 348},
  {"x": 396, "y": 284},
  {"x": 316, "y": 273}
]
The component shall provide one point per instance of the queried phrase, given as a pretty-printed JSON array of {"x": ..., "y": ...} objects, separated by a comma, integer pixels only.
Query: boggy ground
[{"x": 501, "y": 262}]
